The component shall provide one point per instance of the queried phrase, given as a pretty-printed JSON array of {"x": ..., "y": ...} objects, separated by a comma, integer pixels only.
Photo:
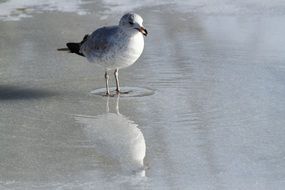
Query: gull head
[{"x": 133, "y": 21}]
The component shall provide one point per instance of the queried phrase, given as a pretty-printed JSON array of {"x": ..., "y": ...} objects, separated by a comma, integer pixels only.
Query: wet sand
[{"x": 215, "y": 120}]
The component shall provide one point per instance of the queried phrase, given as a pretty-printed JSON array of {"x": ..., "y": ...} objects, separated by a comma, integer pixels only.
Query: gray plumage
[{"x": 113, "y": 47}]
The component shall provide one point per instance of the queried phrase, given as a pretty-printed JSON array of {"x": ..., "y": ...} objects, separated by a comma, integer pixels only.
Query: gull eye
[{"x": 131, "y": 23}]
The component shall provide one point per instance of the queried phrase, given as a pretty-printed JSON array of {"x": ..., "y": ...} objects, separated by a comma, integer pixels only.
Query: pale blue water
[{"x": 215, "y": 120}]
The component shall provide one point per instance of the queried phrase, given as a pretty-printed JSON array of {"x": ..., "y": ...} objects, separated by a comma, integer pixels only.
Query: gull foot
[{"x": 120, "y": 92}]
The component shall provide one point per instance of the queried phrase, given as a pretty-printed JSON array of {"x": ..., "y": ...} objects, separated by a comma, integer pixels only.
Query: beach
[{"x": 214, "y": 118}]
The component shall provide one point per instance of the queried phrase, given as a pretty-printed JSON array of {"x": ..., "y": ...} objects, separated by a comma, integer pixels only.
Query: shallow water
[
  {"x": 124, "y": 92},
  {"x": 215, "y": 120}
]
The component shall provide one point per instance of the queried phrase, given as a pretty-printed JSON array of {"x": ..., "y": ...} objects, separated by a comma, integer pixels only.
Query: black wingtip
[
  {"x": 74, "y": 48},
  {"x": 62, "y": 49}
]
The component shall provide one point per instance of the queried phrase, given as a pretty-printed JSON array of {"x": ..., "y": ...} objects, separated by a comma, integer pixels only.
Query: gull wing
[{"x": 100, "y": 41}]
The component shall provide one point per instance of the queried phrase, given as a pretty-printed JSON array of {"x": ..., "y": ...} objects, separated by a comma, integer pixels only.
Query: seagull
[{"x": 113, "y": 47}]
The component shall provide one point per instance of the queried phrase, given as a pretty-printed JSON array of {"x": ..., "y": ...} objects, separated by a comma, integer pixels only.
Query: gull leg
[
  {"x": 107, "y": 83},
  {"x": 116, "y": 73}
]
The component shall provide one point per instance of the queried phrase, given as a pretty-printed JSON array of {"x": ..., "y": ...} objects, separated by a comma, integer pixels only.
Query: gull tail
[{"x": 74, "y": 47}]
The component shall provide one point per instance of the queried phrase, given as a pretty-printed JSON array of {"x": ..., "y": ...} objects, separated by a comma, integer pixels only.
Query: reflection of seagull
[
  {"x": 115, "y": 136},
  {"x": 113, "y": 47}
]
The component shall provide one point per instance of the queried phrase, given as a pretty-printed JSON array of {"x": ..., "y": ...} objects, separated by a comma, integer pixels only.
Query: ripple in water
[{"x": 125, "y": 92}]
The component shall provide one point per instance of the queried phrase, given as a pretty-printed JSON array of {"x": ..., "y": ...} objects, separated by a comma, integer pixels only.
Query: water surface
[{"x": 215, "y": 121}]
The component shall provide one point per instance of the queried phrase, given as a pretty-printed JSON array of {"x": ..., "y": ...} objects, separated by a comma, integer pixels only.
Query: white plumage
[{"x": 113, "y": 47}]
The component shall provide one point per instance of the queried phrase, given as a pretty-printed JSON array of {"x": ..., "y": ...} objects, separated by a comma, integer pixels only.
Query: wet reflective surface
[
  {"x": 124, "y": 92},
  {"x": 116, "y": 137},
  {"x": 215, "y": 120}
]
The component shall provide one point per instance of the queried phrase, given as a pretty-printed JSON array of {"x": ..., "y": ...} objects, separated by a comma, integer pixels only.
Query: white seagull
[{"x": 113, "y": 47}]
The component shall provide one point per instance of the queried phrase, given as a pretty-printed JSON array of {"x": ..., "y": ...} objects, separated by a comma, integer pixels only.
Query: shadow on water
[
  {"x": 21, "y": 93},
  {"x": 117, "y": 138}
]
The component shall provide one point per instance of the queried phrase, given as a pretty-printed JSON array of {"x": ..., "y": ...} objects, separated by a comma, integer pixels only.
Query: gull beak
[{"x": 142, "y": 30}]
